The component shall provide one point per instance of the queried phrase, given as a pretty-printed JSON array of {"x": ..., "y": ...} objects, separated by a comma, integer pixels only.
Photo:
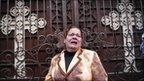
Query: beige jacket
[{"x": 85, "y": 66}]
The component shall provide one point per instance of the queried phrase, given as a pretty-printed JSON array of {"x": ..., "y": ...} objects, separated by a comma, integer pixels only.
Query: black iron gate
[{"x": 31, "y": 34}]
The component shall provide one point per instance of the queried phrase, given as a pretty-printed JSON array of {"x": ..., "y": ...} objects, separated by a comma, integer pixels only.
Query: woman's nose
[{"x": 75, "y": 38}]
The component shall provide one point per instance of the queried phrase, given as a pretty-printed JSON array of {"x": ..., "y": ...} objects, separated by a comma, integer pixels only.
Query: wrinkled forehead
[
  {"x": 75, "y": 30},
  {"x": 72, "y": 29}
]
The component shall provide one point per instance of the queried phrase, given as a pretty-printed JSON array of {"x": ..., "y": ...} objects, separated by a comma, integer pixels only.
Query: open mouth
[{"x": 73, "y": 42}]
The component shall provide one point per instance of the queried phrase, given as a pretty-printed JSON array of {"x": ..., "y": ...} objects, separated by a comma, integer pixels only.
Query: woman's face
[{"x": 73, "y": 40}]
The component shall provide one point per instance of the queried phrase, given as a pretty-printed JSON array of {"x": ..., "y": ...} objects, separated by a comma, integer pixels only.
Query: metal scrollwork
[
  {"x": 19, "y": 24},
  {"x": 126, "y": 19}
]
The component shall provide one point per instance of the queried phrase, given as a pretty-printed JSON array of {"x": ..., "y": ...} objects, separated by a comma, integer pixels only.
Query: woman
[{"x": 75, "y": 63}]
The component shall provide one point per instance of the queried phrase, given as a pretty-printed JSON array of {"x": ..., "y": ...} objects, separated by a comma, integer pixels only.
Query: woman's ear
[{"x": 64, "y": 41}]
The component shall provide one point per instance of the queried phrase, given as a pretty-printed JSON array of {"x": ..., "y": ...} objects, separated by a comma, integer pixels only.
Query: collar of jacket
[{"x": 75, "y": 61}]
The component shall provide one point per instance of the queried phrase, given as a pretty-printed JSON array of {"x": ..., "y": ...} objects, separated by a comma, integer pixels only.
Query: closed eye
[{"x": 72, "y": 34}]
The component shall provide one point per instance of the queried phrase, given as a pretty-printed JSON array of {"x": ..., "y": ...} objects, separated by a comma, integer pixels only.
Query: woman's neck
[{"x": 72, "y": 49}]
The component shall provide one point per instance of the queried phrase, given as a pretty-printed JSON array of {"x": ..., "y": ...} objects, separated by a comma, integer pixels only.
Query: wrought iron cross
[
  {"x": 19, "y": 24},
  {"x": 127, "y": 20}
]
